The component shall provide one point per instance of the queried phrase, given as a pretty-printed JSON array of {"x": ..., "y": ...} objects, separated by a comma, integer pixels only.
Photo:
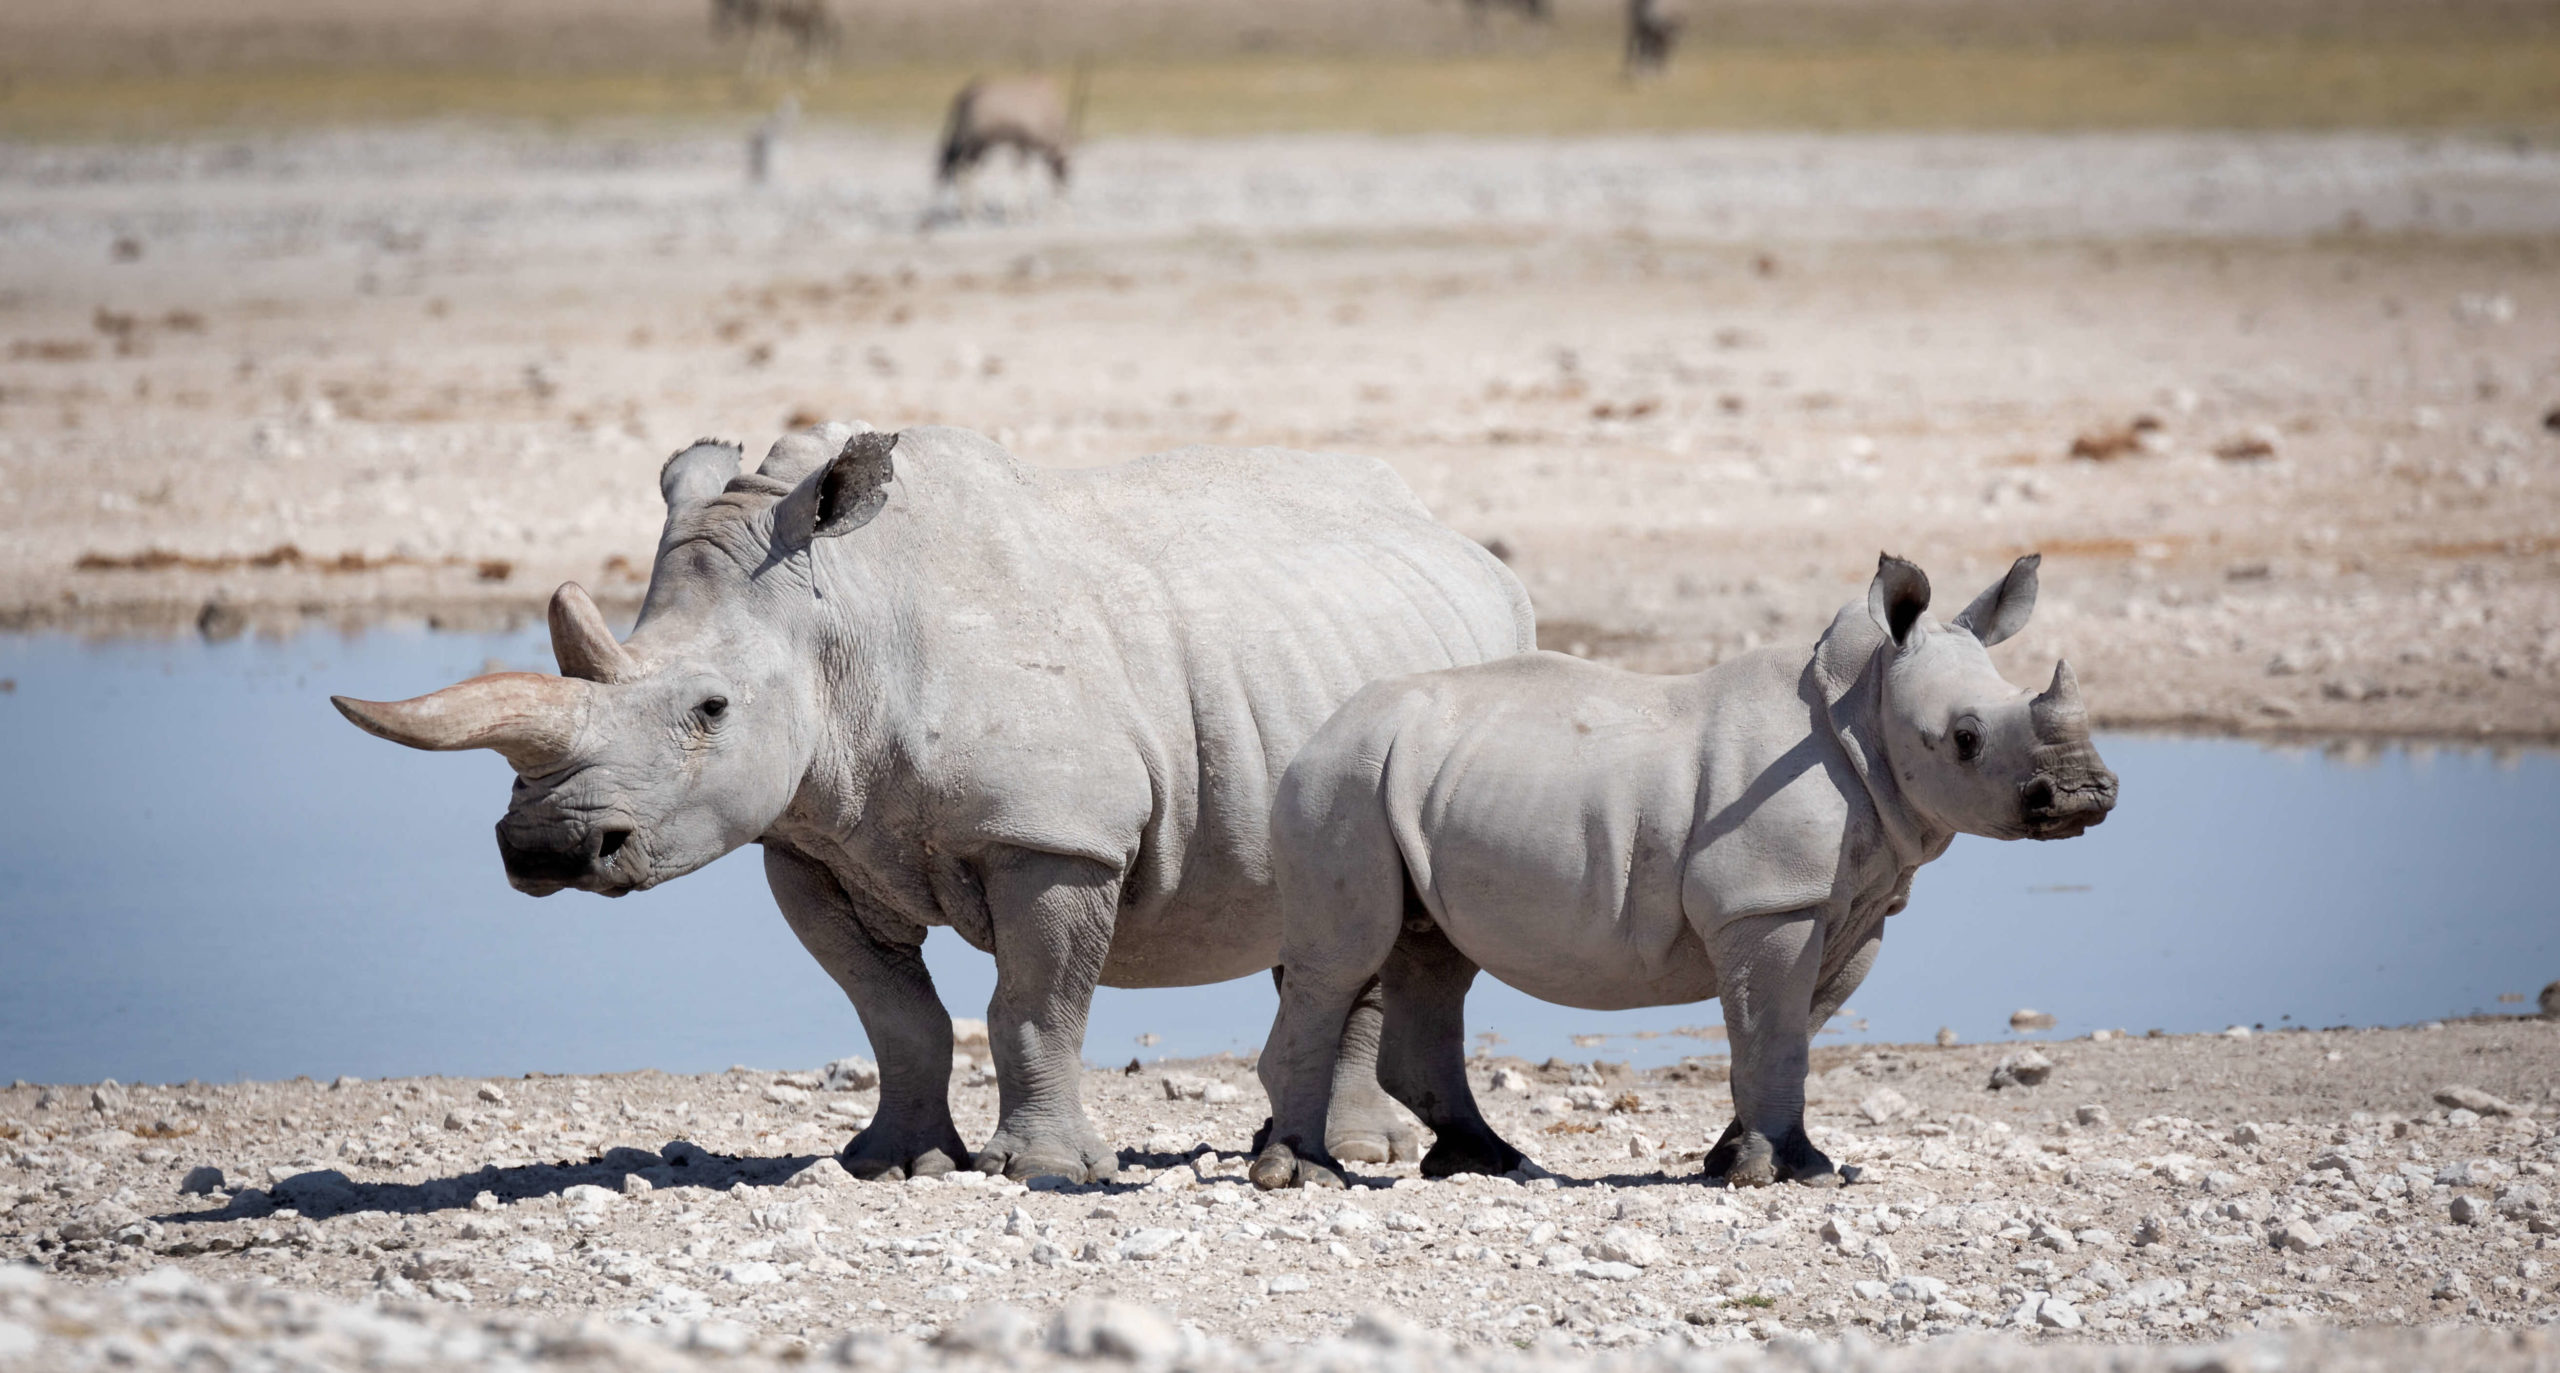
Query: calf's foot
[
  {"x": 888, "y": 1151},
  {"x": 1368, "y": 1127},
  {"x": 1074, "y": 1151},
  {"x": 1747, "y": 1158},
  {"x": 1278, "y": 1166}
]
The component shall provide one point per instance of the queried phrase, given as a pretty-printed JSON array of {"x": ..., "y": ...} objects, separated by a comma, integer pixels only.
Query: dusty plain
[{"x": 1689, "y": 385}]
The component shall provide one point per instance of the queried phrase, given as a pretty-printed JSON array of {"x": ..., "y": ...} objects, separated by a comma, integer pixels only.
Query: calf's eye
[
  {"x": 715, "y": 707},
  {"x": 1968, "y": 743}
]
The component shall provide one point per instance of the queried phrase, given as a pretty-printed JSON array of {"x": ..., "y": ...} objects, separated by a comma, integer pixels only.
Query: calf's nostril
[
  {"x": 612, "y": 844},
  {"x": 2037, "y": 795}
]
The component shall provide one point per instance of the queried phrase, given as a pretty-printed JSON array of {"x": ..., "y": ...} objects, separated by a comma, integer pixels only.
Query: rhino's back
[{"x": 1215, "y": 606}]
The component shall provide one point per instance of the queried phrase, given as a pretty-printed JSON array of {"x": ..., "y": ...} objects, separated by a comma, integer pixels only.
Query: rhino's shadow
[{"x": 324, "y": 1193}]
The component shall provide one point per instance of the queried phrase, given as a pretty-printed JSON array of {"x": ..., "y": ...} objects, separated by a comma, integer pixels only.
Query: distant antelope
[
  {"x": 808, "y": 25},
  {"x": 1028, "y": 114},
  {"x": 1650, "y": 34}
]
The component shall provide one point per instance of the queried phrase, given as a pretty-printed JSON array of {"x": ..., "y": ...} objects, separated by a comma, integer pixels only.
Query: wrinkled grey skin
[
  {"x": 1604, "y": 839},
  {"x": 1046, "y": 708}
]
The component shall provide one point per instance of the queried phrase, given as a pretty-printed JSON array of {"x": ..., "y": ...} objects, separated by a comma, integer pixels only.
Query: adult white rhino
[
  {"x": 1045, "y": 708},
  {"x": 1607, "y": 839}
]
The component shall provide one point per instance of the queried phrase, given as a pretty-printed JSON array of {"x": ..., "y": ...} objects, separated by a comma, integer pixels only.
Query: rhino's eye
[
  {"x": 714, "y": 707},
  {"x": 1968, "y": 743}
]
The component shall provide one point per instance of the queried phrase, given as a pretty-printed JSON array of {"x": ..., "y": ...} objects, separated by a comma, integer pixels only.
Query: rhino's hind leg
[
  {"x": 1422, "y": 1057},
  {"x": 1747, "y": 1158},
  {"x": 1052, "y": 919},
  {"x": 910, "y": 1030},
  {"x": 1276, "y": 1166}
]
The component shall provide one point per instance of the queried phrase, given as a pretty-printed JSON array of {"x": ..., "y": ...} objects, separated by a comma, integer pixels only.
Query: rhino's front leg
[
  {"x": 1052, "y": 921},
  {"x": 911, "y": 1134},
  {"x": 1766, "y": 967}
]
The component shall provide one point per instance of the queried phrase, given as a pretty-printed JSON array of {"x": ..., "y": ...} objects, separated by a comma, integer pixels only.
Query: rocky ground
[
  {"x": 2125, "y": 1190},
  {"x": 2276, "y": 408}
]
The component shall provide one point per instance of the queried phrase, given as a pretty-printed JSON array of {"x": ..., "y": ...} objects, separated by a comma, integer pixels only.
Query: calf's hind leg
[{"x": 1422, "y": 1059}]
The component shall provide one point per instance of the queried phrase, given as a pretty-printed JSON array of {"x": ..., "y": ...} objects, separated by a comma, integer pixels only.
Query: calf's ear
[
  {"x": 1897, "y": 596},
  {"x": 2002, "y": 610}
]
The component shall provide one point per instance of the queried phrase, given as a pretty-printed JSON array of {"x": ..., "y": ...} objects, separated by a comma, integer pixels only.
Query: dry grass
[{"x": 2257, "y": 83}]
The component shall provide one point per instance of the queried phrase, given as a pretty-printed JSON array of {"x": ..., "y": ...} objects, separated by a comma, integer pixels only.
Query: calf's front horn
[
  {"x": 2056, "y": 711},
  {"x": 529, "y": 718}
]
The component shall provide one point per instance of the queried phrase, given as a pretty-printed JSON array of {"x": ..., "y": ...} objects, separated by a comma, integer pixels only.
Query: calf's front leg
[{"x": 1766, "y": 970}]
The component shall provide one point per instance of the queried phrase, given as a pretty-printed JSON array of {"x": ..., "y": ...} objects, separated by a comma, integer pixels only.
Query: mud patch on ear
[
  {"x": 855, "y": 485},
  {"x": 1897, "y": 596},
  {"x": 797, "y": 454}
]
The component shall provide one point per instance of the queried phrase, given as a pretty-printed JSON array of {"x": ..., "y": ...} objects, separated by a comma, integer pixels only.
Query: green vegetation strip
[{"x": 2258, "y": 84}]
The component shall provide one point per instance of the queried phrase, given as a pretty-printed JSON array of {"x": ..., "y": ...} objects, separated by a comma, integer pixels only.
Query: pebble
[
  {"x": 2024, "y": 1068},
  {"x": 2472, "y": 1099},
  {"x": 851, "y": 1074},
  {"x": 1947, "y": 1037},
  {"x": 1088, "y": 1328},
  {"x": 1884, "y": 1105},
  {"x": 2028, "y": 1018}
]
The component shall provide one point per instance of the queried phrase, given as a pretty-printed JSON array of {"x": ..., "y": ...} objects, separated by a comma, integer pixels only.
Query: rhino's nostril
[
  {"x": 613, "y": 842},
  {"x": 2037, "y": 795}
]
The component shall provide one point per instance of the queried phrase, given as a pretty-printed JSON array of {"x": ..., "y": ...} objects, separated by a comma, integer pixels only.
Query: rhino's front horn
[
  {"x": 2057, "y": 712},
  {"x": 579, "y": 639},
  {"x": 529, "y": 718}
]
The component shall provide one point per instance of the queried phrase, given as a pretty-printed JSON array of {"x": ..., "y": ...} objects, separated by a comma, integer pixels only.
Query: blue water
[{"x": 205, "y": 873}]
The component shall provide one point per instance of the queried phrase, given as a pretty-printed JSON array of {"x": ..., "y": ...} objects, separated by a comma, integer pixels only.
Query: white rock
[
  {"x": 1511, "y": 1080},
  {"x": 1086, "y": 1328},
  {"x": 1608, "y": 1271},
  {"x": 851, "y": 1074},
  {"x": 1947, "y": 1037},
  {"x": 826, "y": 1172},
  {"x": 968, "y": 1034},
  {"x": 1552, "y": 1106},
  {"x": 1920, "y": 1288},
  {"x": 1178, "y": 1087},
  {"x": 490, "y": 1094},
  {"x": 1151, "y": 1243},
  {"x": 2023, "y": 1068},
  {"x": 1221, "y": 1093},
  {"x": 1626, "y": 1244},
  {"x": 587, "y": 1196},
  {"x": 1351, "y": 1220},
  {"x": 994, "y": 1329},
  {"x": 781, "y": 1095},
  {"x": 752, "y": 1273},
  {"x": 2057, "y": 1314},
  {"x": 1884, "y": 1105}
]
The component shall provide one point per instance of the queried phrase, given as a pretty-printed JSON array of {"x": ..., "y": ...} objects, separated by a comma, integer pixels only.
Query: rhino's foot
[
  {"x": 1278, "y": 1166},
  {"x": 1458, "y": 1151},
  {"x": 889, "y": 1154},
  {"x": 1074, "y": 1152},
  {"x": 1747, "y": 1158},
  {"x": 1368, "y": 1127}
]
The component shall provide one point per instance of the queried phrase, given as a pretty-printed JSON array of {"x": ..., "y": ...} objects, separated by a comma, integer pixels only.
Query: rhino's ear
[
  {"x": 840, "y": 497},
  {"x": 1897, "y": 596},
  {"x": 2003, "y": 609},
  {"x": 855, "y": 485},
  {"x": 698, "y": 473}
]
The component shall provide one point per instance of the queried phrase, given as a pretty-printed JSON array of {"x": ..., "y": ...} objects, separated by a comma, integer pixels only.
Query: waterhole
[{"x": 206, "y": 873}]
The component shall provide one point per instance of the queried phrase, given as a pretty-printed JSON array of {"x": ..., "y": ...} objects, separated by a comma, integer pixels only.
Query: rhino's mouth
[
  {"x": 2060, "y": 808},
  {"x": 603, "y": 860}
]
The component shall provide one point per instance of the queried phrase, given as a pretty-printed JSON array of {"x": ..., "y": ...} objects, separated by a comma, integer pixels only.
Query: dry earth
[
  {"x": 1689, "y": 385},
  {"x": 2149, "y": 1190}
]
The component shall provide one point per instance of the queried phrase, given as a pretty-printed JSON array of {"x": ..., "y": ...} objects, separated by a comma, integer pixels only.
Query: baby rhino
[{"x": 1605, "y": 839}]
